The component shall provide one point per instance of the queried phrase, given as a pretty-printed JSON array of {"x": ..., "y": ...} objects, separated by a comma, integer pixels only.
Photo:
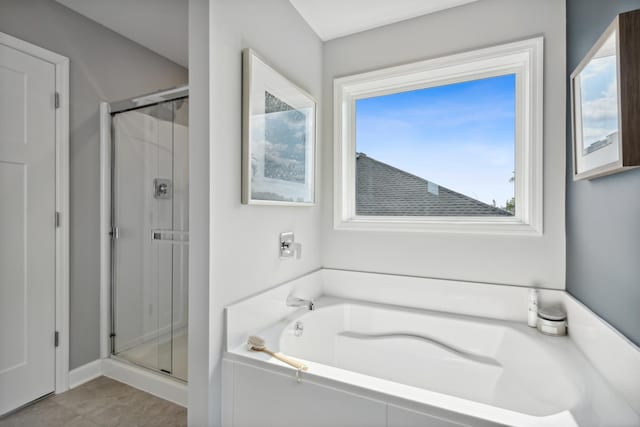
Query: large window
[{"x": 451, "y": 144}]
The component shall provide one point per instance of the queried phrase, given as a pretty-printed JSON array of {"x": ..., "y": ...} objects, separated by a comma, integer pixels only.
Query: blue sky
[{"x": 460, "y": 136}]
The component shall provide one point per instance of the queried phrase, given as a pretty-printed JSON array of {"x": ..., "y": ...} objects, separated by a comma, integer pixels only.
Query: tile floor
[{"x": 102, "y": 402}]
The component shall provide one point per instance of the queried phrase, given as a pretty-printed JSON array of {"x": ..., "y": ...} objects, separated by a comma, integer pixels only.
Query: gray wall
[
  {"x": 518, "y": 260},
  {"x": 603, "y": 215},
  {"x": 104, "y": 66}
]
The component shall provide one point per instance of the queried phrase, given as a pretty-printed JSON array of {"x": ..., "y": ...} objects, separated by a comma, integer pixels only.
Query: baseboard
[
  {"x": 143, "y": 379},
  {"x": 85, "y": 373}
]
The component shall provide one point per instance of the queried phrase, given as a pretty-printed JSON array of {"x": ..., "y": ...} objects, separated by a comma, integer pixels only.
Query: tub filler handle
[{"x": 458, "y": 352}]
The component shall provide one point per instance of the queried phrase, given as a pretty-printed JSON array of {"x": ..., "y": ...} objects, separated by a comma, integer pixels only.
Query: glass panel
[
  {"x": 150, "y": 209},
  {"x": 180, "y": 252},
  {"x": 440, "y": 151},
  {"x": 162, "y": 267}
]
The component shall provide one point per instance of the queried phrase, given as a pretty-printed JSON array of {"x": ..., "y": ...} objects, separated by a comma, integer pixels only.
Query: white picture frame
[
  {"x": 605, "y": 100},
  {"x": 278, "y": 137},
  {"x": 591, "y": 158}
]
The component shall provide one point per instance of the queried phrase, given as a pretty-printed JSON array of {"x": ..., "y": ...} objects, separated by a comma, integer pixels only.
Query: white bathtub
[
  {"x": 414, "y": 367},
  {"x": 497, "y": 363},
  {"x": 498, "y": 371}
]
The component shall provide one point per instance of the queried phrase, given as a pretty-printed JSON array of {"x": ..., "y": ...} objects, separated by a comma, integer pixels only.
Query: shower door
[{"x": 150, "y": 187}]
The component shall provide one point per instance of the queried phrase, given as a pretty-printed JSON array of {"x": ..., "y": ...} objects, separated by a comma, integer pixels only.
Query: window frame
[{"x": 522, "y": 58}]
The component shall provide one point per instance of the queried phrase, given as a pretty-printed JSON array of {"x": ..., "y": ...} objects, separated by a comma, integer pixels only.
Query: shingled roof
[{"x": 383, "y": 190}]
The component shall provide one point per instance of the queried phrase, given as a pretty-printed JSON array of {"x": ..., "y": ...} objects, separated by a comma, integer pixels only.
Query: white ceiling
[
  {"x": 331, "y": 19},
  {"x": 159, "y": 25}
]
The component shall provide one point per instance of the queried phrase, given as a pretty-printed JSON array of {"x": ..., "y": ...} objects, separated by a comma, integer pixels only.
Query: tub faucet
[{"x": 300, "y": 302}]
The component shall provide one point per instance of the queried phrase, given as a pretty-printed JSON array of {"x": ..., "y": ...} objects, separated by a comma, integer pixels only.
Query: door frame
[
  {"x": 61, "y": 64},
  {"x": 105, "y": 230}
]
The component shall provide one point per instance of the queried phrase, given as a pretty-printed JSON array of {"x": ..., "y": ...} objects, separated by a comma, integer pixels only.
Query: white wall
[
  {"x": 497, "y": 259},
  {"x": 240, "y": 257},
  {"x": 246, "y": 258},
  {"x": 199, "y": 355},
  {"x": 244, "y": 239}
]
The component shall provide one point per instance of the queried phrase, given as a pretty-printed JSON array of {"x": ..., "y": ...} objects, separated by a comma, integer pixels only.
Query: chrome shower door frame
[{"x": 109, "y": 229}]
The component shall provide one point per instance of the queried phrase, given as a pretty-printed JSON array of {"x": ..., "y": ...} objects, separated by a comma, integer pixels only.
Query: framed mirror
[{"x": 605, "y": 98}]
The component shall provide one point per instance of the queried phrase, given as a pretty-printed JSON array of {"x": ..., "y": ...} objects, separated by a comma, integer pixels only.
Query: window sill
[{"x": 452, "y": 225}]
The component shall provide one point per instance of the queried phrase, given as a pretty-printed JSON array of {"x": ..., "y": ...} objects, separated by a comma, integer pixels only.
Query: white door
[{"x": 27, "y": 228}]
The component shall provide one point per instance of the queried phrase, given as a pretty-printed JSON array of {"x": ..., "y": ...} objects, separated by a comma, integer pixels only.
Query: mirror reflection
[{"x": 599, "y": 100}]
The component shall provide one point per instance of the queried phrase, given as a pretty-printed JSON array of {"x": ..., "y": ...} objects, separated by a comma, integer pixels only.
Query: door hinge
[
  {"x": 56, "y": 100},
  {"x": 56, "y": 338},
  {"x": 57, "y": 219},
  {"x": 114, "y": 233}
]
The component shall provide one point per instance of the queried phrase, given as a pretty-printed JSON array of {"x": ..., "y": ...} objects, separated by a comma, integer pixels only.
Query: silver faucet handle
[
  {"x": 289, "y": 248},
  {"x": 299, "y": 302}
]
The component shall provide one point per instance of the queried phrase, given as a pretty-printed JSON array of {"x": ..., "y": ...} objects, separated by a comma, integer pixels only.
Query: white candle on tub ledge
[{"x": 532, "y": 316}]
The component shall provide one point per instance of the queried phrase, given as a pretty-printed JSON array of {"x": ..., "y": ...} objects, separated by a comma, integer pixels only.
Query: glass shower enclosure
[{"x": 150, "y": 231}]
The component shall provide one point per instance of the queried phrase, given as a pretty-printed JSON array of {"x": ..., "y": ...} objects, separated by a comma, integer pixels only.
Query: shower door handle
[{"x": 170, "y": 236}]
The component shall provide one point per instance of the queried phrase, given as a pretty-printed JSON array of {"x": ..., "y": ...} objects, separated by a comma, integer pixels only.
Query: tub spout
[{"x": 300, "y": 302}]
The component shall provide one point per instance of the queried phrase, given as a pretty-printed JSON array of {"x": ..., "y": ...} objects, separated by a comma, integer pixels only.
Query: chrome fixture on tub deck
[{"x": 300, "y": 302}]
